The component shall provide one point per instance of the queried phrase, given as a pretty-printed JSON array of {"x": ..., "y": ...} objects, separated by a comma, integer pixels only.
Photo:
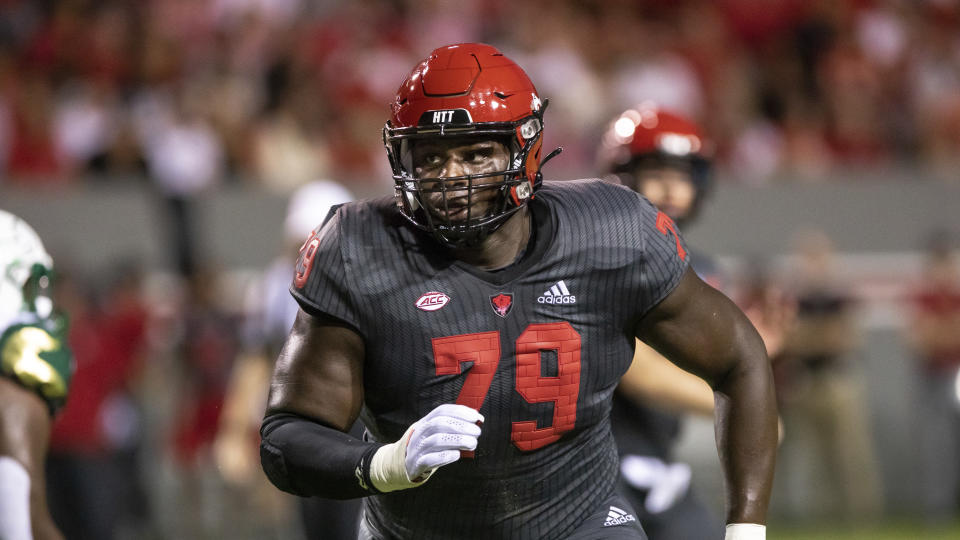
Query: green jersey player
[{"x": 35, "y": 368}]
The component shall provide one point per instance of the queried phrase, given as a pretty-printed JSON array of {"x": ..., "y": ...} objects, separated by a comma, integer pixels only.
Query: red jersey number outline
[
  {"x": 305, "y": 264},
  {"x": 666, "y": 226},
  {"x": 483, "y": 349}
]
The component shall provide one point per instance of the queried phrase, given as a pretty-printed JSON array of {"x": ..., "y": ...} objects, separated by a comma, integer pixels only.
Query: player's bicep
[
  {"x": 699, "y": 329},
  {"x": 24, "y": 425},
  {"x": 319, "y": 372}
]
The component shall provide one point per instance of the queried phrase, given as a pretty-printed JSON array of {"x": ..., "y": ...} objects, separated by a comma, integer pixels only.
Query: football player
[
  {"x": 479, "y": 321},
  {"x": 35, "y": 369},
  {"x": 666, "y": 158}
]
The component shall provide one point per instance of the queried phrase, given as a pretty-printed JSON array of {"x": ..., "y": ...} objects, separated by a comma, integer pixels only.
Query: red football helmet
[
  {"x": 466, "y": 90},
  {"x": 647, "y": 136}
]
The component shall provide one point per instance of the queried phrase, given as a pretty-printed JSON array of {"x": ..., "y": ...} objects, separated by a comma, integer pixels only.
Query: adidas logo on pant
[
  {"x": 558, "y": 294},
  {"x": 617, "y": 516}
]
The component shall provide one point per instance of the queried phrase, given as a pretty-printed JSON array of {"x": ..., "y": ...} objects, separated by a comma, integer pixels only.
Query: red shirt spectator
[{"x": 937, "y": 326}]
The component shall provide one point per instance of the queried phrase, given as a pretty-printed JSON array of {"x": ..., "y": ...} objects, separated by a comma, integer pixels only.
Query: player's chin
[{"x": 461, "y": 214}]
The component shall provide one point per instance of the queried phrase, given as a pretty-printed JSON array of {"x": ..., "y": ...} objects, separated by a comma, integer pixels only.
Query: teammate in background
[
  {"x": 35, "y": 368},
  {"x": 273, "y": 312},
  {"x": 480, "y": 321},
  {"x": 665, "y": 158}
]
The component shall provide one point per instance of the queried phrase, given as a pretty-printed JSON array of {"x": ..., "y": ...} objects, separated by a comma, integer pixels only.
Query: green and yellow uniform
[{"x": 35, "y": 354}]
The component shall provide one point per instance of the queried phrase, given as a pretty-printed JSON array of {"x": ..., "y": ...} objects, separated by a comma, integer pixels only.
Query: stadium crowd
[
  {"x": 186, "y": 96},
  {"x": 198, "y": 93}
]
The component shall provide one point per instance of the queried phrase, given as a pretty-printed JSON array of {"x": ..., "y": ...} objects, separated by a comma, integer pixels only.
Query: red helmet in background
[
  {"x": 647, "y": 136},
  {"x": 469, "y": 90}
]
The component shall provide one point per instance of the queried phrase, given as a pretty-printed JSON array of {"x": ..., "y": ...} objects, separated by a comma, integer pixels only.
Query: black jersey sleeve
[
  {"x": 321, "y": 283},
  {"x": 665, "y": 256}
]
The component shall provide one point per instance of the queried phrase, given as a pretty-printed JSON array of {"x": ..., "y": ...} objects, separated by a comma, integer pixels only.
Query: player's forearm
[
  {"x": 746, "y": 430},
  {"x": 306, "y": 458}
]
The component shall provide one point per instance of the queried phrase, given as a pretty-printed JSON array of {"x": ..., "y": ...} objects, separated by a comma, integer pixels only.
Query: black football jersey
[{"x": 537, "y": 348}]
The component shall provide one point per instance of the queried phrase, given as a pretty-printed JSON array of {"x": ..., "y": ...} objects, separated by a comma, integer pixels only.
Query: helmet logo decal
[
  {"x": 432, "y": 301},
  {"x": 442, "y": 116},
  {"x": 535, "y": 103},
  {"x": 502, "y": 303},
  {"x": 449, "y": 116}
]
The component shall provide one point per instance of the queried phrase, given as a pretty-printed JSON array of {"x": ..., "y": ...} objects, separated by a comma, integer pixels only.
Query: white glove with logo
[{"x": 431, "y": 442}]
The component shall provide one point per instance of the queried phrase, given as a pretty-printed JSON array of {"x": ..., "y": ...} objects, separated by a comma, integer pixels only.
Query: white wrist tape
[
  {"x": 14, "y": 499},
  {"x": 388, "y": 470},
  {"x": 746, "y": 531}
]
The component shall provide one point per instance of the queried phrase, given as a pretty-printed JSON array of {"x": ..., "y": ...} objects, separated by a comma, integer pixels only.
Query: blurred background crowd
[
  {"x": 185, "y": 101},
  {"x": 279, "y": 92}
]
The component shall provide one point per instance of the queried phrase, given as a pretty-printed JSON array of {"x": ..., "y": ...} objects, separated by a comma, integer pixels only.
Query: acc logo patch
[
  {"x": 432, "y": 301},
  {"x": 502, "y": 303}
]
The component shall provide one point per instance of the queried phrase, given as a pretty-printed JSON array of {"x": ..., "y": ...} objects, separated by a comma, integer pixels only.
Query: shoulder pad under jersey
[{"x": 36, "y": 356}]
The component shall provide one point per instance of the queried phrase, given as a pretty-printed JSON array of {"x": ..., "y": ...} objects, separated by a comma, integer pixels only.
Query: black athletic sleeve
[
  {"x": 306, "y": 458},
  {"x": 321, "y": 283}
]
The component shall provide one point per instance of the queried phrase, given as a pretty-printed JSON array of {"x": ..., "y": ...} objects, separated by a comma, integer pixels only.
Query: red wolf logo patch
[{"x": 502, "y": 303}]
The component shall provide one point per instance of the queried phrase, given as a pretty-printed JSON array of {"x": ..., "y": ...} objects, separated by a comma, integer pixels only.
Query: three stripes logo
[
  {"x": 558, "y": 294},
  {"x": 618, "y": 516}
]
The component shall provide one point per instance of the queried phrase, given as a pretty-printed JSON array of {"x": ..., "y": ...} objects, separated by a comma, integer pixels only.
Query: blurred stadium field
[{"x": 881, "y": 531}]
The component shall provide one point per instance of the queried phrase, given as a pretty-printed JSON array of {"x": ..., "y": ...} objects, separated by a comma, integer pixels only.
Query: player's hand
[
  {"x": 431, "y": 442},
  {"x": 437, "y": 439}
]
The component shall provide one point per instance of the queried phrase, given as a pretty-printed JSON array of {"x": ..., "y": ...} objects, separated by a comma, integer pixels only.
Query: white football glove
[{"x": 431, "y": 442}]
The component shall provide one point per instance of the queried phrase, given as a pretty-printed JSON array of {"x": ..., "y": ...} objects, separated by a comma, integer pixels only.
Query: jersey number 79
[{"x": 483, "y": 349}]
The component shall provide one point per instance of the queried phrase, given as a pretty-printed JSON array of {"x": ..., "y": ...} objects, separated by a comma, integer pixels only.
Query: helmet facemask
[
  {"x": 514, "y": 185},
  {"x": 37, "y": 291}
]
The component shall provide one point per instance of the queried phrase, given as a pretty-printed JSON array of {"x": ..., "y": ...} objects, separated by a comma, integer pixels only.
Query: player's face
[
  {"x": 453, "y": 200},
  {"x": 670, "y": 190}
]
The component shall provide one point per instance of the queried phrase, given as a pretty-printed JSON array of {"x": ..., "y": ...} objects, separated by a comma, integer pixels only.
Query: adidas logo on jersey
[
  {"x": 618, "y": 516},
  {"x": 558, "y": 294}
]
